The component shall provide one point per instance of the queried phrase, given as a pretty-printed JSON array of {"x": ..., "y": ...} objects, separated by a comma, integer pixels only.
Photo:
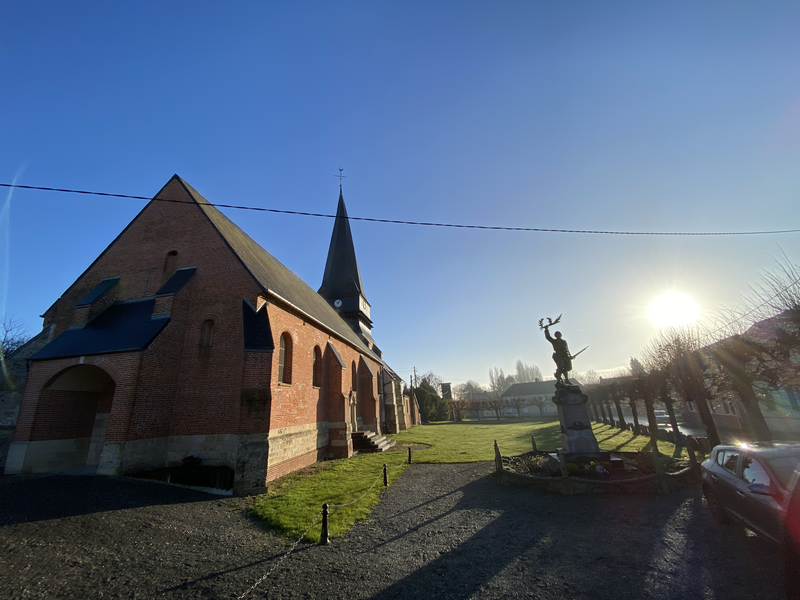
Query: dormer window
[{"x": 170, "y": 261}]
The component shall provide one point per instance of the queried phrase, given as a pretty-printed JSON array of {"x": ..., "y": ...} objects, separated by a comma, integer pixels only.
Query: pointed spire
[{"x": 342, "y": 277}]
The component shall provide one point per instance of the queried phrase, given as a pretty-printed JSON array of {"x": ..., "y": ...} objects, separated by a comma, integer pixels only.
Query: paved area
[{"x": 441, "y": 531}]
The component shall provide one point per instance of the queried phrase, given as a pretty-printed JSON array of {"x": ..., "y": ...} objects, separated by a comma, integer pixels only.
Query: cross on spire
[{"x": 340, "y": 176}]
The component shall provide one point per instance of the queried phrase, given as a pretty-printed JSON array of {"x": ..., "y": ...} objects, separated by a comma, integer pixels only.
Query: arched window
[
  {"x": 354, "y": 376},
  {"x": 316, "y": 368},
  {"x": 207, "y": 333},
  {"x": 285, "y": 359}
]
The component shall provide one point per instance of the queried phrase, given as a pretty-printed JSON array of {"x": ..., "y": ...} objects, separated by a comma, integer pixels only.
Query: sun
[{"x": 673, "y": 310}]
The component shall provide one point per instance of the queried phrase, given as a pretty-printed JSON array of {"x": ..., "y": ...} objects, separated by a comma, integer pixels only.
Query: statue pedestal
[{"x": 577, "y": 437}]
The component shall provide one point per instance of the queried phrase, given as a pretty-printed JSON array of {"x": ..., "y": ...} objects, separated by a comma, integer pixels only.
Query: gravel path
[{"x": 441, "y": 531}]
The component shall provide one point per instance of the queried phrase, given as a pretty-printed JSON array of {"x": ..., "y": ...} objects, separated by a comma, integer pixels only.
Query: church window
[
  {"x": 285, "y": 359},
  {"x": 207, "y": 333},
  {"x": 354, "y": 376},
  {"x": 316, "y": 369}
]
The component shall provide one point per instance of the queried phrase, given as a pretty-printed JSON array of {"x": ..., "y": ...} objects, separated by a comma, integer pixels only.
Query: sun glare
[{"x": 673, "y": 310}]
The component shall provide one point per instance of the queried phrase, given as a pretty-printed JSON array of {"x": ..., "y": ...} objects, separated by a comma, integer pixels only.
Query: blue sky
[{"x": 680, "y": 116}]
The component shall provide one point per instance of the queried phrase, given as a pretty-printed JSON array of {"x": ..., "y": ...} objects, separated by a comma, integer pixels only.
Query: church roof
[
  {"x": 122, "y": 327},
  {"x": 342, "y": 278},
  {"x": 274, "y": 277}
]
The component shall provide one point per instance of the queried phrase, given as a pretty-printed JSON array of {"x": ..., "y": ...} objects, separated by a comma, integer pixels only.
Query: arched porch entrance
[{"x": 71, "y": 421}]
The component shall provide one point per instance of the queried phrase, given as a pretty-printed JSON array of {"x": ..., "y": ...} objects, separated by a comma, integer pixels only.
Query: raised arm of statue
[{"x": 547, "y": 335}]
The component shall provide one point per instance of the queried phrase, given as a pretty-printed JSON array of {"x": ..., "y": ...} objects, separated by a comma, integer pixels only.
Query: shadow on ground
[{"x": 25, "y": 499}]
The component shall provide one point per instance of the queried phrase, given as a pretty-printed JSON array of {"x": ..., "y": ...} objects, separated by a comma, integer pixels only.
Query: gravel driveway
[{"x": 441, "y": 531}]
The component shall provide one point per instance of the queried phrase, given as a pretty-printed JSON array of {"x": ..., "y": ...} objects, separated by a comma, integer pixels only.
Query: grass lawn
[
  {"x": 470, "y": 441},
  {"x": 294, "y": 501}
]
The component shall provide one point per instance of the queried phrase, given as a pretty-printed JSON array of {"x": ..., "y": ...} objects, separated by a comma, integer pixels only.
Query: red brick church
[{"x": 186, "y": 340}]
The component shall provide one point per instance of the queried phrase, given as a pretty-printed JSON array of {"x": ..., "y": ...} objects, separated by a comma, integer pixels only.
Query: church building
[{"x": 185, "y": 341}]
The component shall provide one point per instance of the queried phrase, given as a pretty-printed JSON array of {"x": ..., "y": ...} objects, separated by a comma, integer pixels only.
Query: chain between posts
[
  {"x": 278, "y": 564},
  {"x": 323, "y": 533}
]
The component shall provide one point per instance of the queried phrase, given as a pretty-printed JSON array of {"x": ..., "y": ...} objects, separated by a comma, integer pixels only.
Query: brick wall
[
  {"x": 177, "y": 387},
  {"x": 65, "y": 415}
]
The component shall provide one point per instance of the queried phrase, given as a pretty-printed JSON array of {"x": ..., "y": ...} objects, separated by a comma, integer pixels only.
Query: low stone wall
[
  {"x": 687, "y": 478},
  {"x": 654, "y": 483}
]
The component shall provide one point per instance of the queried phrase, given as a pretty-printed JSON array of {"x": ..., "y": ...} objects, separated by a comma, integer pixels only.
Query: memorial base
[
  {"x": 601, "y": 456},
  {"x": 577, "y": 437}
]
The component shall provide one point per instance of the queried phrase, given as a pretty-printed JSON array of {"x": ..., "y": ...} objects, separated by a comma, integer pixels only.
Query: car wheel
[{"x": 717, "y": 510}]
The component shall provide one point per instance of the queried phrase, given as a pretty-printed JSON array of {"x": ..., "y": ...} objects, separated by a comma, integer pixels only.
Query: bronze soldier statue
[{"x": 561, "y": 355}]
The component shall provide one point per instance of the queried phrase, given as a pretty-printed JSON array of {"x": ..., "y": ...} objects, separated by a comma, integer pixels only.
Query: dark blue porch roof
[{"x": 123, "y": 326}]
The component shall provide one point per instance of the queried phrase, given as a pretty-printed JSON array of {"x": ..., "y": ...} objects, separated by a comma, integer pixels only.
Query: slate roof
[
  {"x": 273, "y": 276},
  {"x": 342, "y": 278},
  {"x": 175, "y": 283},
  {"x": 97, "y": 292},
  {"x": 123, "y": 326}
]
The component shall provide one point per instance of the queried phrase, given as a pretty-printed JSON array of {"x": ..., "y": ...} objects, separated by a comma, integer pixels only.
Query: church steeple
[
  {"x": 342, "y": 277},
  {"x": 341, "y": 283}
]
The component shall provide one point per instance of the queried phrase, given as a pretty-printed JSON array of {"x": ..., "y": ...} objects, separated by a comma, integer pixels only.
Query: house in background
[
  {"x": 186, "y": 340},
  {"x": 780, "y": 406},
  {"x": 534, "y": 398}
]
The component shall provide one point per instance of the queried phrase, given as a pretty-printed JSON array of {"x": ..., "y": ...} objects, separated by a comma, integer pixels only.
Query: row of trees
[{"x": 741, "y": 354}]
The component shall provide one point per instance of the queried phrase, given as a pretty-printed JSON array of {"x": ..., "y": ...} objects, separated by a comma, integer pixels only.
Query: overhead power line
[{"x": 419, "y": 223}]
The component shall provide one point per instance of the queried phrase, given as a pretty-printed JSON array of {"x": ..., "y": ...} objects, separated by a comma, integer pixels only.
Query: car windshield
[{"x": 784, "y": 467}]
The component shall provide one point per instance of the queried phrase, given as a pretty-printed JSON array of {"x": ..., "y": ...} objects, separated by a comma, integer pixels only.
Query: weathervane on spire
[{"x": 340, "y": 176}]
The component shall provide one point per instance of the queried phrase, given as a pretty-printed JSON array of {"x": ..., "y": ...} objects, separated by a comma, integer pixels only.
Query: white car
[{"x": 662, "y": 417}]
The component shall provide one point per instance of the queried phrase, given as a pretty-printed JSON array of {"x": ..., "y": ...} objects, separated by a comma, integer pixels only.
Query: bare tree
[
  {"x": 15, "y": 335},
  {"x": 469, "y": 389},
  {"x": 495, "y": 404},
  {"x": 459, "y": 408},
  {"x": 527, "y": 373},
  {"x": 499, "y": 382},
  {"x": 676, "y": 352},
  {"x": 539, "y": 402},
  {"x": 778, "y": 291},
  {"x": 432, "y": 379},
  {"x": 518, "y": 403},
  {"x": 589, "y": 378}
]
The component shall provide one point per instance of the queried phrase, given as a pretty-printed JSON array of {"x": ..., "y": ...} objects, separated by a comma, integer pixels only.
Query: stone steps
[{"x": 368, "y": 441}]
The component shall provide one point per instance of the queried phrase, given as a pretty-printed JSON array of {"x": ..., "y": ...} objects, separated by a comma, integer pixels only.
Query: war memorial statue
[
  {"x": 561, "y": 354},
  {"x": 577, "y": 437}
]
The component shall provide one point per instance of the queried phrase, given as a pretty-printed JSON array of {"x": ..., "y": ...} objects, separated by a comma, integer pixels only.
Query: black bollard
[
  {"x": 409, "y": 456},
  {"x": 323, "y": 535},
  {"x": 385, "y": 476}
]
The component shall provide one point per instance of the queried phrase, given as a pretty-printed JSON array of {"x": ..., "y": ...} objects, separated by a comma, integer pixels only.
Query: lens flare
[{"x": 673, "y": 310}]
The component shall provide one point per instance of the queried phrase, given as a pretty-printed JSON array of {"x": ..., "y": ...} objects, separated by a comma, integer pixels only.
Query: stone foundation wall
[
  {"x": 51, "y": 455},
  {"x": 251, "y": 464},
  {"x": 291, "y": 443}
]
